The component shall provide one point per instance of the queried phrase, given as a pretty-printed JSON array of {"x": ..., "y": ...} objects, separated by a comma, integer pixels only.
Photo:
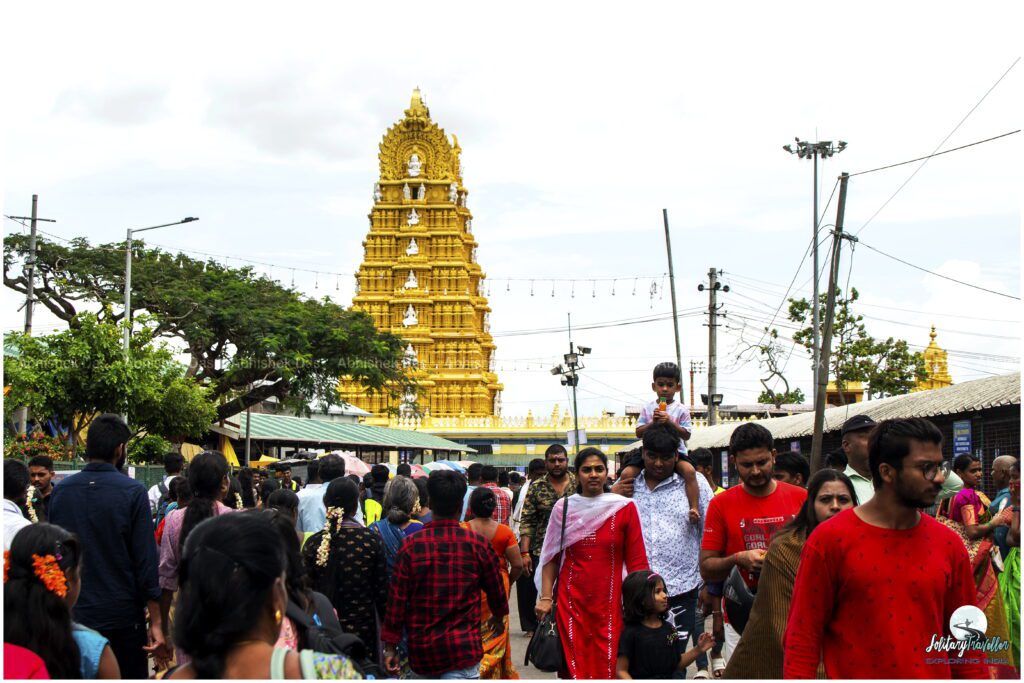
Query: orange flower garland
[
  {"x": 7, "y": 563},
  {"x": 50, "y": 573}
]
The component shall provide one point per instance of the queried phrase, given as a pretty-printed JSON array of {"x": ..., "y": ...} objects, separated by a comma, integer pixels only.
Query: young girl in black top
[{"x": 649, "y": 647}]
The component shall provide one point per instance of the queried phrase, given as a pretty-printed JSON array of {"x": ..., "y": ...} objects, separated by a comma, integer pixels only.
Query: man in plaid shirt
[
  {"x": 435, "y": 590},
  {"x": 503, "y": 511}
]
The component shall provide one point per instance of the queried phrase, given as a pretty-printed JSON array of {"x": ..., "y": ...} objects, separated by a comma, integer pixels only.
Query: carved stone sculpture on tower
[
  {"x": 414, "y": 165},
  {"x": 414, "y": 218},
  {"x": 413, "y": 248},
  {"x": 453, "y": 194},
  {"x": 411, "y": 282},
  {"x": 422, "y": 194},
  {"x": 469, "y": 226},
  {"x": 377, "y": 194},
  {"x": 410, "y": 320},
  {"x": 406, "y": 193},
  {"x": 410, "y": 355}
]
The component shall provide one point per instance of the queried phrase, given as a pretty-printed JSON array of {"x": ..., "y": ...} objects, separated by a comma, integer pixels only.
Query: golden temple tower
[
  {"x": 419, "y": 278},
  {"x": 937, "y": 362}
]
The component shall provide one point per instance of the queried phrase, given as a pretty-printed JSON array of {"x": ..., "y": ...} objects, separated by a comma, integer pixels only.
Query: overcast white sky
[{"x": 578, "y": 125}]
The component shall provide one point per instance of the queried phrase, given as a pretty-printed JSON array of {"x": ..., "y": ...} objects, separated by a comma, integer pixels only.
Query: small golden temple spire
[
  {"x": 933, "y": 335},
  {"x": 417, "y": 109}
]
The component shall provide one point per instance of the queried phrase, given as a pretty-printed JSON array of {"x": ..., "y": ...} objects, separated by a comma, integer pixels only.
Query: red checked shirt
[
  {"x": 503, "y": 511},
  {"x": 435, "y": 596}
]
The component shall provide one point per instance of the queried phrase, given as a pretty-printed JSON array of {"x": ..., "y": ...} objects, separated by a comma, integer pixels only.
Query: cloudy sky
[{"x": 578, "y": 126}]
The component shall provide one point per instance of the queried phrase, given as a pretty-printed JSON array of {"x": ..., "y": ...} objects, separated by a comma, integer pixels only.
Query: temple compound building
[{"x": 420, "y": 278}]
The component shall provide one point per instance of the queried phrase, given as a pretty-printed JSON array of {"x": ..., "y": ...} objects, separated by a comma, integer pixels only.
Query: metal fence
[{"x": 147, "y": 474}]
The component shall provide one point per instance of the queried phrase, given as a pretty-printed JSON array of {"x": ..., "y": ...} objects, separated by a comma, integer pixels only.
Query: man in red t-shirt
[
  {"x": 878, "y": 584},
  {"x": 740, "y": 522}
]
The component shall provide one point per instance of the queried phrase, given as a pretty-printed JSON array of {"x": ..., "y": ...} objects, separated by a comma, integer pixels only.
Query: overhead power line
[
  {"x": 944, "y": 277},
  {"x": 936, "y": 154},
  {"x": 937, "y": 148}
]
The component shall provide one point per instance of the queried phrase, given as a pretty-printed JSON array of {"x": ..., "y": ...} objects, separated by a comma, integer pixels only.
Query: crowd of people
[{"x": 888, "y": 563}]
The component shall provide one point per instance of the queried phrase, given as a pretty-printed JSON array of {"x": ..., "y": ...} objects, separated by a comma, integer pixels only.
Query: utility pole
[
  {"x": 826, "y": 349},
  {"x": 714, "y": 398},
  {"x": 30, "y": 294},
  {"x": 695, "y": 367},
  {"x": 21, "y": 415},
  {"x": 672, "y": 289},
  {"x": 812, "y": 150}
]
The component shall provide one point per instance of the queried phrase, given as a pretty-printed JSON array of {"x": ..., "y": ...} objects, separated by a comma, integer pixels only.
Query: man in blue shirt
[
  {"x": 312, "y": 512},
  {"x": 110, "y": 514}
]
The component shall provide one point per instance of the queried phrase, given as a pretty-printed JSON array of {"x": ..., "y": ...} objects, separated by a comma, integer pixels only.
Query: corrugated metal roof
[
  {"x": 978, "y": 394},
  {"x": 301, "y": 429}
]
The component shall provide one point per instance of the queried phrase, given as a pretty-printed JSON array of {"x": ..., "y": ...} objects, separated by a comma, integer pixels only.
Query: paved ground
[{"x": 519, "y": 643}]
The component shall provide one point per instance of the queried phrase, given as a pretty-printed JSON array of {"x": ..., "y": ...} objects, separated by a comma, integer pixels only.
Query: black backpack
[{"x": 327, "y": 636}]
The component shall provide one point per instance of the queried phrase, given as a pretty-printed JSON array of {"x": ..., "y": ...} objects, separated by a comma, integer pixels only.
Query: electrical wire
[
  {"x": 937, "y": 154},
  {"x": 937, "y": 148},
  {"x": 744, "y": 281},
  {"x": 944, "y": 277}
]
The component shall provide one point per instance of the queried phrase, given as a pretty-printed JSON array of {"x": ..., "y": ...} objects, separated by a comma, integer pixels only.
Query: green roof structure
[{"x": 285, "y": 428}]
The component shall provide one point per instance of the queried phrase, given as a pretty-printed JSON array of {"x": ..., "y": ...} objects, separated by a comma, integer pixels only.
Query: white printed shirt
[
  {"x": 673, "y": 544},
  {"x": 677, "y": 412}
]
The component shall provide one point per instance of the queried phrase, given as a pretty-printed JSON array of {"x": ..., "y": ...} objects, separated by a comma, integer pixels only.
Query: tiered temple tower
[
  {"x": 937, "y": 361},
  {"x": 419, "y": 278}
]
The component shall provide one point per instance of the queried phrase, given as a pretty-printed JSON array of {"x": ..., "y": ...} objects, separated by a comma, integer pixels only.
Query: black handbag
[{"x": 545, "y": 648}]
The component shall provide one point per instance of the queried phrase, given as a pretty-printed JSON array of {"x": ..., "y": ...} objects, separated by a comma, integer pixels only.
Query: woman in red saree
[
  {"x": 603, "y": 542},
  {"x": 968, "y": 515}
]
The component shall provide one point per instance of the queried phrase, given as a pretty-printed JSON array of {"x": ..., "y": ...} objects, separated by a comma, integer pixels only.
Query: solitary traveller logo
[{"x": 968, "y": 625}]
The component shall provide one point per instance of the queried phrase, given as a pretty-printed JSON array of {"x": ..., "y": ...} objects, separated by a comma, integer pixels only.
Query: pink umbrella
[
  {"x": 418, "y": 472},
  {"x": 354, "y": 465}
]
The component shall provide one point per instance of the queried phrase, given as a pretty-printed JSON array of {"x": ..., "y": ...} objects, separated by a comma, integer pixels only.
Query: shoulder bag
[{"x": 545, "y": 648}]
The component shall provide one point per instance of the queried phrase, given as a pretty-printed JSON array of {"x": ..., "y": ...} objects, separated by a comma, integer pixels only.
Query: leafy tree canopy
[
  {"x": 778, "y": 398},
  {"x": 74, "y": 375},
  {"x": 248, "y": 337},
  {"x": 886, "y": 366}
]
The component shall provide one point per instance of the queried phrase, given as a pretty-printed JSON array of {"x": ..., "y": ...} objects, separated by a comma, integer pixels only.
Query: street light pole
[
  {"x": 571, "y": 378},
  {"x": 812, "y": 150},
  {"x": 128, "y": 278}
]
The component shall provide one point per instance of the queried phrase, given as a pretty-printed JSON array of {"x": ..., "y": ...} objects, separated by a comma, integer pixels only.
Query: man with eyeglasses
[{"x": 878, "y": 584}]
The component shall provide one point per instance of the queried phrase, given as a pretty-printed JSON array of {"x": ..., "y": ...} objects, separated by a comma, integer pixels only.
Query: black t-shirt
[{"x": 652, "y": 652}]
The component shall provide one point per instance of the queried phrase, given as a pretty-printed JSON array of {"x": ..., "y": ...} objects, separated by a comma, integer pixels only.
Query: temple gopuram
[
  {"x": 419, "y": 278},
  {"x": 937, "y": 361}
]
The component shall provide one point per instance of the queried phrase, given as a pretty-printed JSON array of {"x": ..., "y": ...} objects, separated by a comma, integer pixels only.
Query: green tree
[
  {"x": 770, "y": 356},
  {"x": 248, "y": 337},
  {"x": 887, "y": 367},
  {"x": 778, "y": 398},
  {"x": 74, "y": 375}
]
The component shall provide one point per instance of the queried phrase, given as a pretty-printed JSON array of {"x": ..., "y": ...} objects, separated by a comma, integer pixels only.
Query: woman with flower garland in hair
[
  {"x": 246, "y": 480},
  {"x": 401, "y": 505},
  {"x": 232, "y": 602},
  {"x": 208, "y": 482},
  {"x": 346, "y": 563},
  {"x": 42, "y": 579},
  {"x": 497, "y": 661},
  {"x": 234, "y": 499}
]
